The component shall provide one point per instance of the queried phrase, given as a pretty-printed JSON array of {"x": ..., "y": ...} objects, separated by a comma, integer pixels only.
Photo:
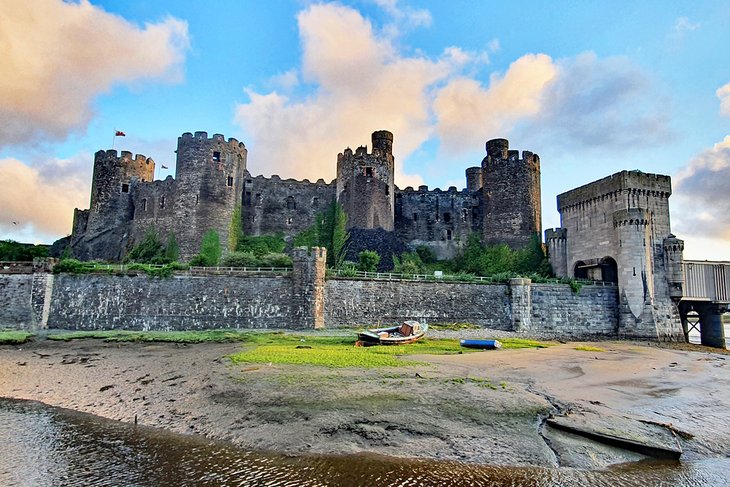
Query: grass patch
[
  {"x": 453, "y": 326},
  {"x": 587, "y": 348},
  {"x": 211, "y": 336},
  {"x": 524, "y": 343},
  {"x": 336, "y": 351},
  {"x": 14, "y": 337}
]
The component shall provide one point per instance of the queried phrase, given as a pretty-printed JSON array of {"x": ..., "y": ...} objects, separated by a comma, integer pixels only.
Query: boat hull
[
  {"x": 481, "y": 344},
  {"x": 390, "y": 336}
]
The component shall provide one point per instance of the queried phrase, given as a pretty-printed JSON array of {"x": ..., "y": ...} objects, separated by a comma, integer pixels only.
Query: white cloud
[
  {"x": 363, "y": 84},
  {"x": 723, "y": 93},
  {"x": 683, "y": 25},
  {"x": 468, "y": 113},
  {"x": 407, "y": 16},
  {"x": 57, "y": 57},
  {"x": 700, "y": 189},
  {"x": 39, "y": 200}
]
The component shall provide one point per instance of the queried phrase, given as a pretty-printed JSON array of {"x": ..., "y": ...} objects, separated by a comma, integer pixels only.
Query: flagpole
[{"x": 114, "y": 139}]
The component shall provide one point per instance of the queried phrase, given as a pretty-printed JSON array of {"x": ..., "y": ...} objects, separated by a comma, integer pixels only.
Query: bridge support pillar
[{"x": 712, "y": 330}]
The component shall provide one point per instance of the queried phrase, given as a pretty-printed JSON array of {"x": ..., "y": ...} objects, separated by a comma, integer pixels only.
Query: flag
[
  {"x": 164, "y": 166},
  {"x": 119, "y": 133}
]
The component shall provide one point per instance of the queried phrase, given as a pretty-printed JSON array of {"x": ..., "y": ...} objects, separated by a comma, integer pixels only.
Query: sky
[{"x": 592, "y": 87}]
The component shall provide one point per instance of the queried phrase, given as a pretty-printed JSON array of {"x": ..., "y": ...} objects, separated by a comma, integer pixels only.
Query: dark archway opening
[
  {"x": 581, "y": 270},
  {"x": 609, "y": 270}
]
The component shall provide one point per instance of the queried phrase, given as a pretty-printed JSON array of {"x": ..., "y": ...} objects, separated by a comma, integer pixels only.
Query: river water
[{"x": 43, "y": 446}]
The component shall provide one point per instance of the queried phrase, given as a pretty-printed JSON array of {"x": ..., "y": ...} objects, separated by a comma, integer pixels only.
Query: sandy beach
[{"x": 486, "y": 407}]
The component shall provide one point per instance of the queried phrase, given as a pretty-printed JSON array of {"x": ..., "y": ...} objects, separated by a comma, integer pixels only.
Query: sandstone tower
[
  {"x": 365, "y": 184},
  {"x": 511, "y": 195}
]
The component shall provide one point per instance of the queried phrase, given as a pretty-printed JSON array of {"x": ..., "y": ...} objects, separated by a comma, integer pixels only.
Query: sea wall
[{"x": 302, "y": 298}]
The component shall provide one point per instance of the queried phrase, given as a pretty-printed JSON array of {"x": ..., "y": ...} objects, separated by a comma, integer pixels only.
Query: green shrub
[
  {"x": 240, "y": 259},
  {"x": 73, "y": 266},
  {"x": 210, "y": 250},
  {"x": 276, "y": 260},
  {"x": 426, "y": 255},
  {"x": 369, "y": 260},
  {"x": 14, "y": 251},
  {"x": 262, "y": 245}
]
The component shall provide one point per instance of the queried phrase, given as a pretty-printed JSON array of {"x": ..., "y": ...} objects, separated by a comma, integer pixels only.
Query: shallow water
[
  {"x": 44, "y": 446},
  {"x": 694, "y": 336}
]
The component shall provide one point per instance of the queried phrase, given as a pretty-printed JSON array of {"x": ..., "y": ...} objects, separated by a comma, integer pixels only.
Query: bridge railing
[{"x": 706, "y": 280}]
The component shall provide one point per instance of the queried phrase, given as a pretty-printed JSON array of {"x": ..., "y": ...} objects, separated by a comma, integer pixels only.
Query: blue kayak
[{"x": 481, "y": 344}]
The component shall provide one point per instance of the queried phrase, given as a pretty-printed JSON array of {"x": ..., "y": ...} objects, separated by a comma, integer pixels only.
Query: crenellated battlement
[
  {"x": 423, "y": 189},
  {"x": 556, "y": 234},
  {"x": 275, "y": 177},
  {"x": 203, "y": 136},
  {"x": 124, "y": 155},
  {"x": 637, "y": 217},
  {"x": 634, "y": 184}
]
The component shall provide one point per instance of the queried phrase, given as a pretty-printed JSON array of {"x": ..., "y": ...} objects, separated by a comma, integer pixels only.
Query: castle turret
[
  {"x": 556, "y": 241},
  {"x": 673, "y": 258},
  {"x": 365, "y": 184},
  {"x": 113, "y": 175},
  {"x": 511, "y": 193},
  {"x": 474, "y": 179}
]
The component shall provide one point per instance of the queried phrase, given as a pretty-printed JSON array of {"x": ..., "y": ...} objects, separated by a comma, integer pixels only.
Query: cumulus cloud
[
  {"x": 703, "y": 184},
  {"x": 359, "y": 81},
  {"x": 723, "y": 93},
  {"x": 38, "y": 200},
  {"x": 593, "y": 102},
  {"x": 363, "y": 85},
  {"x": 467, "y": 113},
  {"x": 57, "y": 57}
]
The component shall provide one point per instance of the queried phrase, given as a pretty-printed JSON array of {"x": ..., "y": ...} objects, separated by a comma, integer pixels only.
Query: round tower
[
  {"x": 113, "y": 176},
  {"x": 474, "y": 179},
  {"x": 209, "y": 177},
  {"x": 511, "y": 192},
  {"x": 366, "y": 183}
]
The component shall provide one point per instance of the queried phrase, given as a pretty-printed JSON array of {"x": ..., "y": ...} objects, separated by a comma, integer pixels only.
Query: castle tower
[
  {"x": 511, "y": 193},
  {"x": 556, "y": 241},
  {"x": 474, "y": 179},
  {"x": 209, "y": 178},
  {"x": 365, "y": 184},
  {"x": 113, "y": 176},
  {"x": 103, "y": 230}
]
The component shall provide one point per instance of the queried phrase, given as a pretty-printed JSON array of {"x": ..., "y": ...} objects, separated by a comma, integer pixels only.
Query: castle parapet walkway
[{"x": 706, "y": 296}]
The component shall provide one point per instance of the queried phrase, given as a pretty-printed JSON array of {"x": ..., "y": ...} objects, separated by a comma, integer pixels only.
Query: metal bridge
[{"x": 706, "y": 296}]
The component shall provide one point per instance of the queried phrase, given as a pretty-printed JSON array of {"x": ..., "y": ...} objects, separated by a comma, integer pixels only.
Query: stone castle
[
  {"x": 501, "y": 201},
  {"x": 615, "y": 230}
]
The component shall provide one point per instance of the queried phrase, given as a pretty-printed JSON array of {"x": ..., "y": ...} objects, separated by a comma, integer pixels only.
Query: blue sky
[{"x": 592, "y": 87}]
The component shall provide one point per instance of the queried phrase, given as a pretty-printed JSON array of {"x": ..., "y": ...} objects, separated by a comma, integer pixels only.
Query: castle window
[
  {"x": 230, "y": 181},
  {"x": 387, "y": 190},
  {"x": 290, "y": 203},
  {"x": 125, "y": 188},
  {"x": 369, "y": 172},
  {"x": 464, "y": 214},
  {"x": 162, "y": 202},
  {"x": 144, "y": 204},
  {"x": 288, "y": 221},
  {"x": 415, "y": 217},
  {"x": 315, "y": 202},
  {"x": 197, "y": 199},
  {"x": 448, "y": 234},
  {"x": 447, "y": 218},
  {"x": 259, "y": 199},
  {"x": 247, "y": 198},
  {"x": 216, "y": 156}
]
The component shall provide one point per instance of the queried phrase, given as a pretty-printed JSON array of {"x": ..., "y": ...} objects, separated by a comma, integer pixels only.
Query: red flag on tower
[{"x": 119, "y": 133}]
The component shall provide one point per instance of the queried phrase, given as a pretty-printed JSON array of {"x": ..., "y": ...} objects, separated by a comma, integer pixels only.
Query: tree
[
  {"x": 148, "y": 250},
  {"x": 210, "y": 249},
  {"x": 340, "y": 235},
  {"x": 172, "y": 249},
  {"x": 235, "y": 229}
]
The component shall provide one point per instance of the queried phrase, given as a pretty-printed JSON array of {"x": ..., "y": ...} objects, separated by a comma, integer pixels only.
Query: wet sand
[{"x": 486, "y": 407}]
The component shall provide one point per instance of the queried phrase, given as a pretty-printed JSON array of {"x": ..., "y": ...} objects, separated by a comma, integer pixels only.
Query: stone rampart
[{"x": 302, "y": 299}]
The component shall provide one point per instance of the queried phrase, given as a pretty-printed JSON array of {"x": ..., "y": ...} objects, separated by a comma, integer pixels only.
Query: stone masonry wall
[
  {"x": 91, "y": 302},
  {"x": 302, "y": 300},
  {"x": 15, "y": 301},
  {"x": 556, "y": 309},
  {"x": 367, "y": 303}
]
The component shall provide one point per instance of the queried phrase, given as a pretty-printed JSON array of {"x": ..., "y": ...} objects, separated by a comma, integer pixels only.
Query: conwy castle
[
  {"x": 501, "y": 201},
  {"x": 615, "y": 233}
]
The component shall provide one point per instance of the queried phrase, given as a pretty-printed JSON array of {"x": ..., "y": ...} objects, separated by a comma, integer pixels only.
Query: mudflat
[{"x": 486, "y": 407}]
